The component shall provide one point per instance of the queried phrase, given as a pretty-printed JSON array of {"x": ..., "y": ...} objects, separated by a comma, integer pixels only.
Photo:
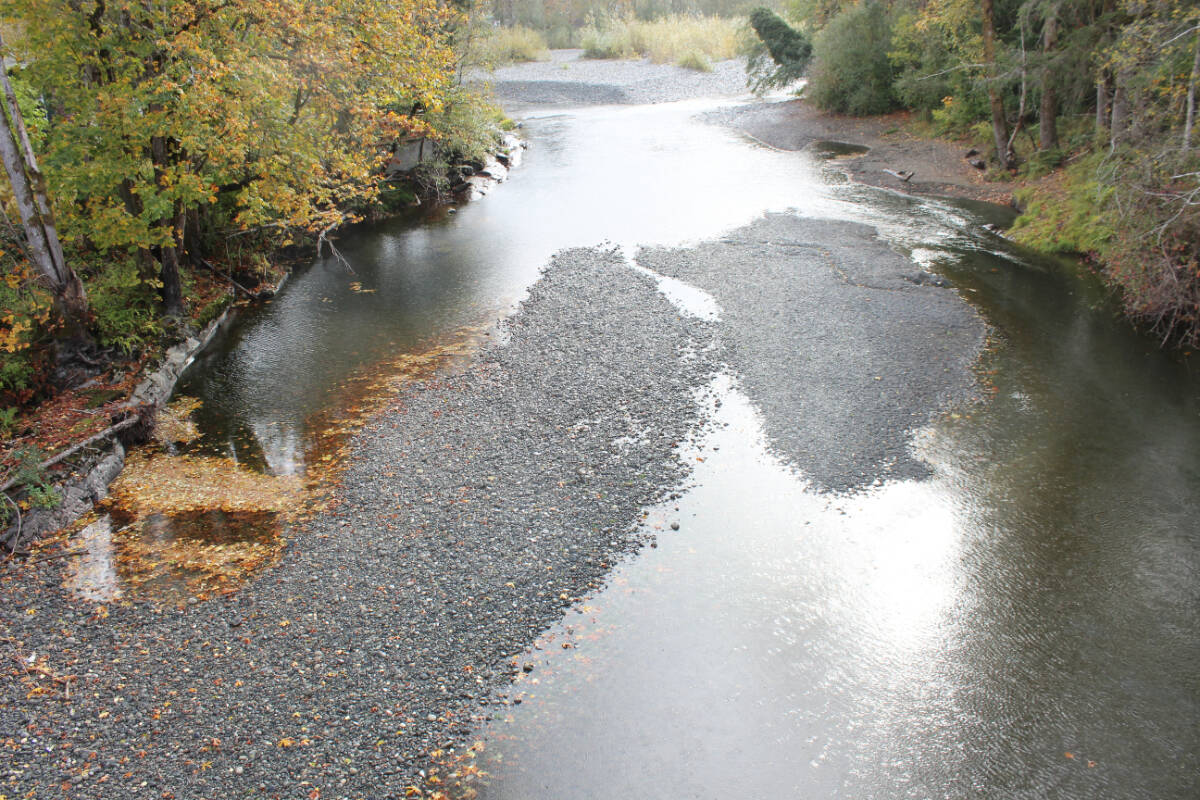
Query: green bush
[
  {"x": 35, "y": 480},
  {"x": 125, "y": 306},
  {"x": 694, "y": 59},
  {"x": 965, "y": 114},
  {"x": 688, "y": 41},
  {"x": 467, "y": 127},
  {"x": 851, "y": 71},
  {"x": 613, "y": 42},
  {"x": 8, "y": 422},
  {"x": 25, "y": 316}
]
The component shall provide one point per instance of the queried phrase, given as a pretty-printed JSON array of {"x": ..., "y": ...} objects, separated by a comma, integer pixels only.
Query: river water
[{"x": 1021, "y": 624}]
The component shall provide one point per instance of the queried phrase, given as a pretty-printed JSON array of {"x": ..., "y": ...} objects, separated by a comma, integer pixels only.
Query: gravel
[
  {"x": 568, "y": 79},
  {"x": 472, "y": 513},
  {"x": 841, "y": 342}
]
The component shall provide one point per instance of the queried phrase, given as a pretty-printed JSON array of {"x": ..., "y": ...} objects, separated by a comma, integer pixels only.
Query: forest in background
[{"x": 1090, "y": 103}]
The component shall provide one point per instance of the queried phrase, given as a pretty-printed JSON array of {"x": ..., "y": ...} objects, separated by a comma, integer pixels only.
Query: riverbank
[
  {"x": 58, "y": 457},
  {"x": 936, "y": 167}
]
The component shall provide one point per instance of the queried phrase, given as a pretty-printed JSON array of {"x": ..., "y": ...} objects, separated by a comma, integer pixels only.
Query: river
[{"x": 1021, "y": 622}]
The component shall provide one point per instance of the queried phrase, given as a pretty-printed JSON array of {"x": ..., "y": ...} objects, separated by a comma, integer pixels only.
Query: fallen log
[
  {"x": 903, "y": 175},
  {"x": 111, "y": 430},
  {"x": 208, "y": 266}
]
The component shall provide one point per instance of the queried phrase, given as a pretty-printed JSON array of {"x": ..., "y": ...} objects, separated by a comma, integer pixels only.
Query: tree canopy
[{"x": 163, "y": 129}]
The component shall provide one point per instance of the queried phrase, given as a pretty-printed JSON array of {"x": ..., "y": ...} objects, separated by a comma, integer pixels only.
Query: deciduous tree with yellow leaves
[{"x": 167, "y": 125}]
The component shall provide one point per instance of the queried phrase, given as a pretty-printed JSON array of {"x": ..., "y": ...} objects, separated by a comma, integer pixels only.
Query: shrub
[
  {"x": 692, "y": 42},
  {"x": 688, "y": 41},
  {"x": 610, "y": 42},
  {"x": 510, "y": 45},
  {"x": 24, "y": 316},
  {"x": 696, "y": 60},
  {"x": 30, "y": 475},
  {"x": 964, "y": 114},
  {"x": 467, "y": 127},
  {"x": 125, "y": 306},
  {"x": 851, "y": 71}
]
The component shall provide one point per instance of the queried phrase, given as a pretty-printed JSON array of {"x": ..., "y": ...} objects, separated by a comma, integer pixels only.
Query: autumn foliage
[{"x": 167, "y": 130}]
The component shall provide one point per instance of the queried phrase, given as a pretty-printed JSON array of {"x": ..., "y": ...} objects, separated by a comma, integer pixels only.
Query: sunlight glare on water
[
  {"x": 627, "y": 177},
  {"x": 799, "y": 622}
]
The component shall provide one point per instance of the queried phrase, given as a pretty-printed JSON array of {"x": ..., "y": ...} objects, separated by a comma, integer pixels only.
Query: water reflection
[
  {"x": 626, "y": 177},
  {"x": 800, "y": 624},
  {"x": 92, "y": 575},
  {"x": 1000, "y": 630},
  {"x": 1022, "y": 625}
]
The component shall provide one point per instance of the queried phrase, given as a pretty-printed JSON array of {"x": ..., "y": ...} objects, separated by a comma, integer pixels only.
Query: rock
[
  {"x": 977, "y": 163},
  {"x": 927, "y": 279},
  {"x": 971, "y": 153}
]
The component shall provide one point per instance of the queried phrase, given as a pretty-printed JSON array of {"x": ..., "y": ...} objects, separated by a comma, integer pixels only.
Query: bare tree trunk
[
  {"x": 1190, "y": 121},
  {"x": 999, "y": 121},
  {"x": 172, "y": 286},
  {"x": 1010, "y": 153},
  {"x": 29, "y": 192},
  {"x": 1120, "y": 112},
  {"x": 1102, "y": 105},
  {"x": 1048, "y": 114}
]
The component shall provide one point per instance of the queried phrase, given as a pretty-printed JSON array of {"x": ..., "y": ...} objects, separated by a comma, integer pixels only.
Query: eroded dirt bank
[{"x": 938, "y": 167}]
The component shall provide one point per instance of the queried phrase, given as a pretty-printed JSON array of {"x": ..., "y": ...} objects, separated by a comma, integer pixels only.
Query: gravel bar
[
  {"x": 569, "y": 79},
  {"x": 472, "y": 513},
  {"x": 841, "y": 341}
]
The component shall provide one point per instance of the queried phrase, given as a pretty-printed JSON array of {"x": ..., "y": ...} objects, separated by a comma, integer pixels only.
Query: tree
[
  {"x": 779, "y": 44},
  {"x": 852, "y": 72},
  {"x": 177, "y": 121},
  {"x": 1048, "y": 112},
  {"x": 1004, "y": 152},
  {"x": 29, "y": 195}
]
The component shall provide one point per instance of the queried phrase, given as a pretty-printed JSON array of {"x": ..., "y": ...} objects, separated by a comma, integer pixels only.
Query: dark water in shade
[
  {"x": 1022, "y": 625},
  {"x": 827, "y": 149}
]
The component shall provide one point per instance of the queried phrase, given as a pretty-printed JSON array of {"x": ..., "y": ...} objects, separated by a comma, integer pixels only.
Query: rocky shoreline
[{"x": 336, "y": 670}]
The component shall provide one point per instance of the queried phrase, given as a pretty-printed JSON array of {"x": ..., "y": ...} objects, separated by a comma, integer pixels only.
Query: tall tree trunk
[
  {"x": 1120, "y": 111},
  {"x": 1190, "y": 120},
  {"x": 1102, "y": 105},
  {"x": 999, "y": 121},
  {"x": 1048, "y": 114},
  {"x": 172, "y": 289},
  {"x": 29, "y": 192}
]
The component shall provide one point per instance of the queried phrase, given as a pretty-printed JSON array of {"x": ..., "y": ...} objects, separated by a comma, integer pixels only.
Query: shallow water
[
  {"x": 1023, "y": 624},
  {"x": 584, "y": 183}
]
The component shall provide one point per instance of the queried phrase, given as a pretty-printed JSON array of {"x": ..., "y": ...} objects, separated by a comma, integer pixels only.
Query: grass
[
  {"x": 688, "y": 41},
  {"x": 511, "y": 45}
]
